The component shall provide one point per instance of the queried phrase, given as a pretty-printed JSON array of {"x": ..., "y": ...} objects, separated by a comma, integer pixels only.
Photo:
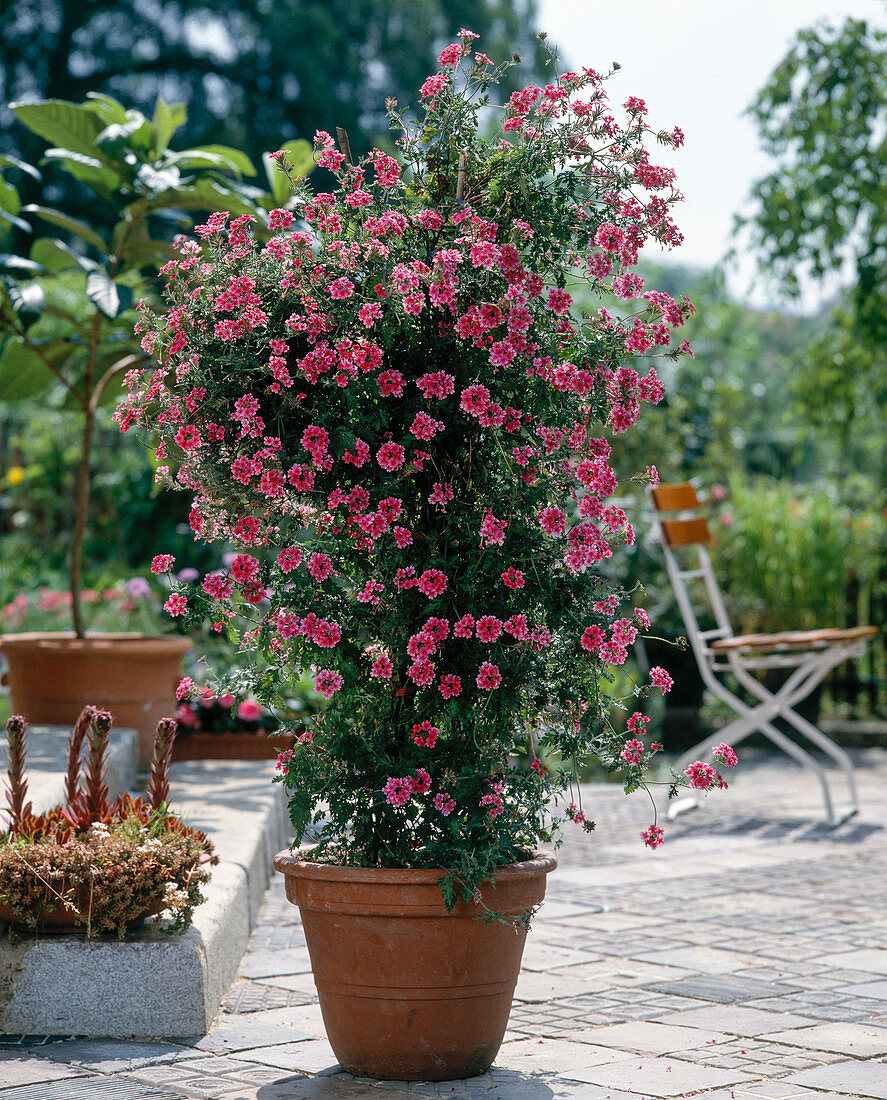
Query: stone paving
[{"x": 744, "y": 960}]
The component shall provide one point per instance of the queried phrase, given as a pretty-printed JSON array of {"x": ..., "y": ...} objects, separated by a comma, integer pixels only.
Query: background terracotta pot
[
  {"x": 408, "y": 991},
  {"x": 52, "y": 677}
]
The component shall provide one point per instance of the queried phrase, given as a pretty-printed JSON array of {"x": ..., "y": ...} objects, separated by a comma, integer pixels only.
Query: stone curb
[{"x": 157, "y": 985}]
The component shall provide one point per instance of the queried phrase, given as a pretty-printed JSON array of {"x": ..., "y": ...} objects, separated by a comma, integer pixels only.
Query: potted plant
[
  {"x": 392, "y": 414},
  {"x": 92, "y": 866},
  {"x": 66, "y": 319}
]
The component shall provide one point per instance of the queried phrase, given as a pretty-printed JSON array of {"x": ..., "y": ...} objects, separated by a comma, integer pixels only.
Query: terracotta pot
[
  {"x": 230, "y": 746},
  {"x": 59, "y": 920},
  {"x": 408, "y": 991},
  {"x": 52, "y": 677}
]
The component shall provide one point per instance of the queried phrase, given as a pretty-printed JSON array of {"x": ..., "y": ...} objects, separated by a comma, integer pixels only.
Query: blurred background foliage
[{"x": 782, "y": 409}]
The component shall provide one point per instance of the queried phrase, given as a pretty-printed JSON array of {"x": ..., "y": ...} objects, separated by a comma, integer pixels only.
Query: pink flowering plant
[{"x": 391, "y": 413}]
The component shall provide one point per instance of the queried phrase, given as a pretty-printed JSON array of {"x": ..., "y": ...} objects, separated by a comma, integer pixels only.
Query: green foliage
[
  {"x": 67, "y": 310},
  {"x": 823, "y": 210},
  {"x": 786, "y": 554}
]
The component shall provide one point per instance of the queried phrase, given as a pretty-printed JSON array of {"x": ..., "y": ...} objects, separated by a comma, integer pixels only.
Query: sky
[{"x": 698, "y": 65}]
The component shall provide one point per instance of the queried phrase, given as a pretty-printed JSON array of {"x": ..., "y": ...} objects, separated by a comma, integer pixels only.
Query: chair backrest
[{"x": 682, "y": 534}]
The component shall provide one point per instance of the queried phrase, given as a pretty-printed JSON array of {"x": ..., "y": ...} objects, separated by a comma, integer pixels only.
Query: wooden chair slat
[
  {"x": 794, "y": 639},
  {"x": 675, "y": 498},
  {"x": 685, "y": 532}
]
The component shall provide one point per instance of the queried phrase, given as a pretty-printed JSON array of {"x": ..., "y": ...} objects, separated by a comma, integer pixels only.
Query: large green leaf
[
  {"x": 239, "y": 161},
  {"x": 61, "y": 123},
  {"x": 116, "y": 138},
  {"x": 89, "y": 170},
  {"x": 107, "y": 107},
  {"x": 168, "y": 117},
  {"x": 14, "y": 162},
  {"x": 23, "y": 374},
  {"x": 9, "y": 200},
  {"x": 55, "y": 255},
  {"x": 65, "y": 221},
  {"x": 108, "y": 297},
  {"x": 19, "y": 223},
  {"x": 27, "y": 298}
]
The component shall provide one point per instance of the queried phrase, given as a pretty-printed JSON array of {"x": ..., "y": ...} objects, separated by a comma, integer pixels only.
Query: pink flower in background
[
  {"x": 450, "y": 686},
  {"x": 661, "y": 679},
  {"x": 726, "y": 755},
  {"x": 488, "y": 677},
  {"x": 653, "y": 837},
  {"x": 327, "y": 682},
  {"x": 633, "y": 751},
  {"x": 249, "y": 710},
  {"x": 162, "y": 563},
  {"x": 185, "y": 688},
  {"x": 444, "y": 803}
]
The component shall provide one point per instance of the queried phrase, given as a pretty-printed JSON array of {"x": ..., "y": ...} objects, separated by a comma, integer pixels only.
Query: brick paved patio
[{"x": 746, "y": 958}]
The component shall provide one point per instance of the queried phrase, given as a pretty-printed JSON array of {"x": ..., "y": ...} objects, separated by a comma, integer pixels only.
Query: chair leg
[{"x": 821, "y": 740}]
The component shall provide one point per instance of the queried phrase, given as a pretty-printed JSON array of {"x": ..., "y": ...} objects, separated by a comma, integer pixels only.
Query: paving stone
[
  {"x": 873, "y": 960},
  {"x": 114, "y": 1055},
  {"x": 272, "y": 964},
  {"x": 20, "y": 1069},
  {"x": 736, "y": 1019},
  {"x": 878, "y": 990},
  {"x": 663, "y": 1077},
  {"x": 88, "y": 1088},
  {"x": 308, "y": 1056},
  {"x": 723, "y": 988},
  {"x": 539, "y": 988},
  {"x": 705, "y": 960},
  {"x": 863, "y": 1079},
  {"x": 539, "y": 955},
  {"x": 854, "y": 1039},
  {"x": 649, "y": 1037},
  {"x": 256, "y": 1029},
  {"x": 552, "y": 1057}
]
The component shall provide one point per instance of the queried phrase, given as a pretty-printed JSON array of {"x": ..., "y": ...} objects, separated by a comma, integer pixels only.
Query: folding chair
[{"x": 806, "y": 655}]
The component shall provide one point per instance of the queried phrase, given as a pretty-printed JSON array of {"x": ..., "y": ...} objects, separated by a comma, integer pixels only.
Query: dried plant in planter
[{"x": 92, "y": 865}]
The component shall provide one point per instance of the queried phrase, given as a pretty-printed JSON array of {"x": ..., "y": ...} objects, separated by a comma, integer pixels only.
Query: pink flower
[
  {"x": 489, "y": 676},
  {"x": 185, "y": 688},
  {"x": 432, "y": 583},
  {"x": 450, "y": 686},
  {"x": 450, "y": 56},
  {"x": 425, "y": 735},
  {"x": 176, "y": 605},
  {"x": 402, "y": 536},
  {"x": 637, "y": 723},
  {"x": 593, "y": 637},
  {"x": 702, "y": 776},
  {"x": 553, "y": 521},
  {"x": 493, "y": 530},
  {"x": 475, "y": 400},
  {"x": 391, "y": 456},
  {"x": 327, "y": 682},
  {"x": 421, "y": 781},
  {"x": 397, "y": 791},
  {"x": 320, "y": 567},
  {"x": 382, "y": 668},
  {"x": 245, "y": 569},
  {"x": 249, "y": 710},
  {"x": 512, "y": 578},
  {"x": 632, "y": 751},
  {"x": 434, "y": 85},
  {"x": 444, "y": 803},
  {"x": 162, "y": 563},
  {"x": 495, "y": 803},
  {"x": 726, "y": 755},
  {"x": 289, "y": 558},
  {"x": 441, "y": 495},
  {"x": 488, "y": 628},
  {"x": 341, "y": 288},
  {"x": 425, "y": 427},
  {"x": 653, "y": 836},
  {"x": 661, "y": 679},
  {"x": 438, "y": 384},
  {"x": 390, "y": 383},
  {"x": 464, "y": 628}
]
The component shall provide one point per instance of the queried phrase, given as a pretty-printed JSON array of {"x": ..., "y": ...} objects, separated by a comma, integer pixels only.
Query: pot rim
[
  {"x": 293, "y": 865},
  {"x": 101, "y": 640}
]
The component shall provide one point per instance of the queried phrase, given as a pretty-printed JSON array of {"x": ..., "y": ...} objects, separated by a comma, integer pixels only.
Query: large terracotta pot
[
  {"x": 408, "y": 991},
  {"x": 52, "y": 677}
]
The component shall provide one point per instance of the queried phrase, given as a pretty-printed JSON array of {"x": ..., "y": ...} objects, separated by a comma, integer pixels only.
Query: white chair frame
[{"x": 808, "y": 655}]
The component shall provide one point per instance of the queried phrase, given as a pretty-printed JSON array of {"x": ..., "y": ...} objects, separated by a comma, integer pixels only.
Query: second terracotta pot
[
  {"x": 408, "y": 991},
  {"x": 52, "y": 677}
]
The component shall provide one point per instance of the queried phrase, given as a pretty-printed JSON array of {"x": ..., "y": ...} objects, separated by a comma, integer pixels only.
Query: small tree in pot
[{"x": 395, "y": 418}]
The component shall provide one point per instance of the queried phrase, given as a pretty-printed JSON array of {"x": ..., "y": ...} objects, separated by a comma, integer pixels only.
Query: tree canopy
[{"x": 253, "y": 73}]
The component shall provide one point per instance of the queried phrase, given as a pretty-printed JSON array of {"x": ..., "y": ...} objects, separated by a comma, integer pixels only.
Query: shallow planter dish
[
  {"x": 64, "y": 920},
  {"x": 230, "y": 746},
  {"x": 52, "y": 677},
  {"x": 408, "y": 991}
]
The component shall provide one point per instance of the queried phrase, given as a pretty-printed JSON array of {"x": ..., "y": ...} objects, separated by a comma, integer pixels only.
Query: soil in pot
[{"x": 408, "y": 991}]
